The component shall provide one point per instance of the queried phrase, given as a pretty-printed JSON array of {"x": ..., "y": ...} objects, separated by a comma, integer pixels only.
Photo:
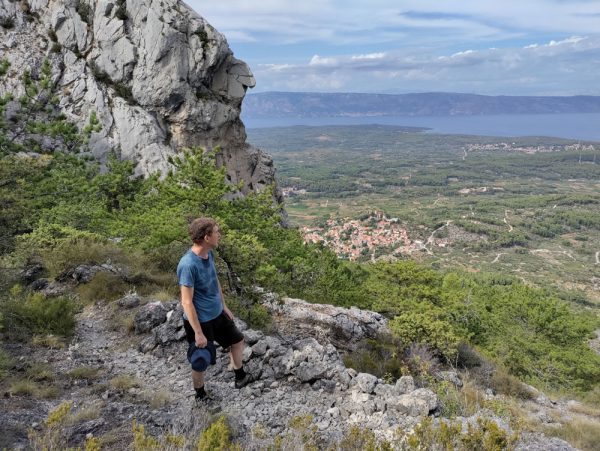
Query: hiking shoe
[
  {"x": 247, "y": 379},
  {"x": 208, "y": 403}
]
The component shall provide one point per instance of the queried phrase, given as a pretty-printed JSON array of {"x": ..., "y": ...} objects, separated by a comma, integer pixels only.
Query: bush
[
  {"x": 5, "y": 364},
  {"x": 216, "y": 437},
  {"x": 423, "y": 328},
  {"x": 484, "y": 435},
  {"x": 380, "y": 357},
  {"x": 24, "y": 315},
  {"x": 362, "y": 439},
  {"x": 103, "y": 286}
]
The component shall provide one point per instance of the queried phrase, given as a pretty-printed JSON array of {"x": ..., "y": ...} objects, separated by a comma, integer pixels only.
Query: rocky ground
[{"x": 143, "y": 375}]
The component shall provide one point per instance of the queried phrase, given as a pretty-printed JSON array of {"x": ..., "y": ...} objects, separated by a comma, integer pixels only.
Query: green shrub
[
  {"x": 423, "y": 328},
  {"x": 5, "y": 364},
  {"x": 216, "y": 437},
  {"x": 358, "y": 439},
  {"x": 24, "y": 315},
  {"x": 103, "y": 286},
  {"x": 381, "y": 357},
  {"x": 484, "y": 435}
]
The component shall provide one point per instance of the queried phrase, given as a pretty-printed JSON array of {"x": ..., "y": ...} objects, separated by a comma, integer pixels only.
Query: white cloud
[
  {"x": 316, "y": 60},
  {"x": 369, "y": 56},
  {"x": 491, "y": 71},
  {"x": 467, "y": 45}
]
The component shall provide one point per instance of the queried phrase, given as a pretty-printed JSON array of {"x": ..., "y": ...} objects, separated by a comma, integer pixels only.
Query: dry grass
[
  {"x": 584, "y": 409},
  {"x": 27, "y": 387},
  {"x": 88, "y": 373},
  {"x": 164, "y": 295},
  {"x": 85, "y": 413},
  {"x": 123, "y": 382},
  {"x": 40, "y": 372},
  {"x": 104, "y": 286},
  {"x": 119, "y": 321},
  {"x": 582, "y": 434},
  {"x": 506, "y": 384},
  {"x": 157, "y": 399},
  {"x": 49, "y": 341}
]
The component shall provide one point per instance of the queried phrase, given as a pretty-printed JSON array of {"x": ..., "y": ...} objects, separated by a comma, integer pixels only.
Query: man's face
[{"x": 213, "y": 239}]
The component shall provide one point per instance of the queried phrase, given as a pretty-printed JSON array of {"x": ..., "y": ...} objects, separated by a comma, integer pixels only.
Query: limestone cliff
[{"x": 157, "y": 74}]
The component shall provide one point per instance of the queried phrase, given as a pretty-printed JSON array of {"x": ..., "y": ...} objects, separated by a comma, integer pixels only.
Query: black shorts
[{"x": 221, "y": 329}]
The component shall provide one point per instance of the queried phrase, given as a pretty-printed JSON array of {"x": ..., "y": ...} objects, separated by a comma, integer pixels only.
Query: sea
[{"x": 578, "y": 126}]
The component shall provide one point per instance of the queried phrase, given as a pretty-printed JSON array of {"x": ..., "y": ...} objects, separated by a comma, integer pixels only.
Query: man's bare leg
[
  {"x": 198, "y": 378},
  {"x": 236, "y": 351}
]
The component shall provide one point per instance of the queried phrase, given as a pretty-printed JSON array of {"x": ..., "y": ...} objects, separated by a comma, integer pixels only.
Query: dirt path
[
  {"x": 430, "y": 239},
  {"x": 510, "y": 228},
  {"x": 548, "y": 251},
  {"x": 498, "y": 257}
]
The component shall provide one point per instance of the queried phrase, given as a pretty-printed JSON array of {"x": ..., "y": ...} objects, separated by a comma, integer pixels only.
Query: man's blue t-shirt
[{"x": 199, "y": 273}]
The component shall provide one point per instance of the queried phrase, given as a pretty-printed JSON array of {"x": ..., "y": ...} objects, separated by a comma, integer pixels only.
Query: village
[
  {"x": 513, "y": 147},
  {"x": 373, "y": 237}
]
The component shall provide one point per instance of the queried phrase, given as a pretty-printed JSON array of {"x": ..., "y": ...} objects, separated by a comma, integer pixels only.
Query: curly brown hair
[{"x": 200, "y": 227}]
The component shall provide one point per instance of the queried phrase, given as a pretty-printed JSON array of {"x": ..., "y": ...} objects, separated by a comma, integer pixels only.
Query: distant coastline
[
  {"x": 311, "y": 104},
  {"x": 579, "y": 126}
]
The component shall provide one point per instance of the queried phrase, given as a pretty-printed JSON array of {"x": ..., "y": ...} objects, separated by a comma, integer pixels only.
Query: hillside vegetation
[{"x": 61, "y": 209}]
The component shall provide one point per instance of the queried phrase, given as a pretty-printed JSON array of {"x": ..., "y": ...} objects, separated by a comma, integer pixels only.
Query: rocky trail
[
  {"x": 145, "y": 377},
  {"x": 300, "y": 376}
]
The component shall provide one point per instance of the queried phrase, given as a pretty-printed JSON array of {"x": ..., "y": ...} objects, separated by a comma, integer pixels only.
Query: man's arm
[{"x": 187, "y": 296}]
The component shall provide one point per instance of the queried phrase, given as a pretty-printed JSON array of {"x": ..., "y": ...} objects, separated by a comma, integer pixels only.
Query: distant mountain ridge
[{"x": 309, "y": 104}]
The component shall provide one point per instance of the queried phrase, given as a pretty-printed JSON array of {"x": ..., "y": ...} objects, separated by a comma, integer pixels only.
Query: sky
[{"x": 501, "y": 47}]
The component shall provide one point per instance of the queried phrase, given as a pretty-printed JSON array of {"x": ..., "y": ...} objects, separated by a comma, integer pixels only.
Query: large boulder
[{"x": 149, "y": 316}]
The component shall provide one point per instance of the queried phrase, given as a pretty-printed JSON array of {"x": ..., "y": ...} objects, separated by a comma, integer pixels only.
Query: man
[{"x": 206, "y": 317}]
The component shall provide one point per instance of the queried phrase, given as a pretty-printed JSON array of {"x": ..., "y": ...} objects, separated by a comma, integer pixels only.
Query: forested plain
[
  {"x": 527, "y": 207},
  {"x": 62, "y": 209}
]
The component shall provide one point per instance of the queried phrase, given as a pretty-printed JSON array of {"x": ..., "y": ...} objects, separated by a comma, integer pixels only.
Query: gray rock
[
  {"x": 365, "y": 382},
  {"x": 342, "y": 326},
  {"x": 385, "y": 390},
  {"x": 130, "y": 301},
  {"x": 38, "y": 284},
  {"x": 537, "y": 442},
  {"x": 449, "y": 376},
  {"x": 54, "y": 289},
  {"x": 149, "y": 316},
  {"x": 259, "y": 348},
  {"x": 418, "y": 403},
  {"x": 308, "y": 372},
  {"x": 79, "y": 431},
  {"x": 405, "y": 384},
  {"x": 31, "y": 273},
  {"x": 252, "y": 336}
]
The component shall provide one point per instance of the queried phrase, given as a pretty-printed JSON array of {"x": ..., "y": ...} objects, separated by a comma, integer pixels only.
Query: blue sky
[{"x": 527, "y": 47}]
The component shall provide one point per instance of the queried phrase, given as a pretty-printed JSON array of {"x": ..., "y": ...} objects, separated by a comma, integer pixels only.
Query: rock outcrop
[
  {"x": 159, "y": 77},
  {"x": 344, "y": 327}
]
